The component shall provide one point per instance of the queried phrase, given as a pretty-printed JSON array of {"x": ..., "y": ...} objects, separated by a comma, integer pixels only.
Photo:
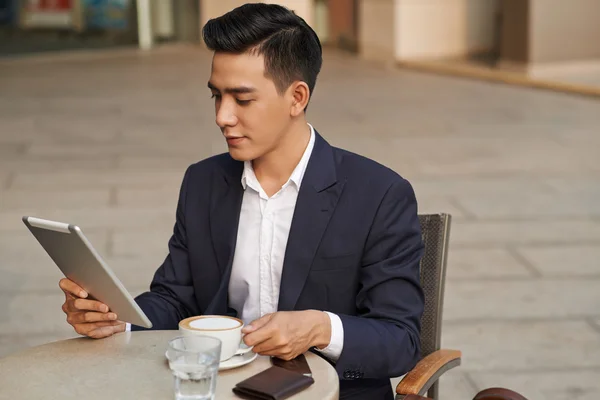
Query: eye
[
  {"x": 243, "y": 102},
  {"x": 215, "y": 96}
]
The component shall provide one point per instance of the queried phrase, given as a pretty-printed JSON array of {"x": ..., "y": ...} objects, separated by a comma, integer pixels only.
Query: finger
[
  {"x": 257, "y": 324},
  {"x": 69, "y": 306},
  {"x": 89, "y": 329},
  {"x": 68, "y": 295},
  {"x": 90, "y": 305},
  {"x": 72, "y": 288},
  {"x": 105, "y": 331},
  {"x": 76, "y": 305},
  {"x": 91, "y": 316},
  {"x": 86, "y": 328},
  {"x": 277, "y": 342},
  {"x": 284, "y": 353},
  {"x": 269, "y": 335},
  {"x": 268, "y": 347},
  {"x": 256, "y": 338}
]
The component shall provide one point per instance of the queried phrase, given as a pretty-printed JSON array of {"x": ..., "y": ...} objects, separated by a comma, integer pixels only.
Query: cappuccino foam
[{"x": 214, "y": 323}]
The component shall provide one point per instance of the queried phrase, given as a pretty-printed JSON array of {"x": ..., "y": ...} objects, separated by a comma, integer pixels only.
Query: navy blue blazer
[{"x": 354, "y": 249}]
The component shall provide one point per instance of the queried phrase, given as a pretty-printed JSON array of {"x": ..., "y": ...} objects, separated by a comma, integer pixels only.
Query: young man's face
[{"x": 252, "y": 115}]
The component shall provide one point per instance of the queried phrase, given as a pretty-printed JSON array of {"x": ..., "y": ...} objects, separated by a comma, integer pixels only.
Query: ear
[{"x": 300, "y": 96}]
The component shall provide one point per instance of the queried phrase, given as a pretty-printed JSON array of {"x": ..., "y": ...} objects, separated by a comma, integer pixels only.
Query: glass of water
[{"x": 194, "y": 362}]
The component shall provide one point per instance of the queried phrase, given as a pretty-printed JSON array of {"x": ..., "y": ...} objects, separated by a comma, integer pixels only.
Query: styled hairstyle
[{"x": 290, "y": 47}]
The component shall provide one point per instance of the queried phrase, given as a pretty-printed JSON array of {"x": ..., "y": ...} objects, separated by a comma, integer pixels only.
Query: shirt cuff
[
  {"x": 336, "y": 344},
  {"x": 127, "y": 327}
]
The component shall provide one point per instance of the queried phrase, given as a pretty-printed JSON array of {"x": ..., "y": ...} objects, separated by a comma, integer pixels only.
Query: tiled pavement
[{"x": 102, "y": 140}]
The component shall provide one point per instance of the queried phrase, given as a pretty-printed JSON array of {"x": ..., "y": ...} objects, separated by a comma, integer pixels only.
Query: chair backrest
[{"x": 436, "y": 232}]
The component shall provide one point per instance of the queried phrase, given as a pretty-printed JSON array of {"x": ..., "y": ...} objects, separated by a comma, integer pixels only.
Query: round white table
[{"x": 129, "y": 365}]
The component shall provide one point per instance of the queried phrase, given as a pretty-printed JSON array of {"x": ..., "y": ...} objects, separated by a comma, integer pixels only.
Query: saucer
[{"x": 236, "y": 361}]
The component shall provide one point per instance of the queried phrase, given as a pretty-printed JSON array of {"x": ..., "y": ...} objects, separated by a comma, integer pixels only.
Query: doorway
[{"x": 343, "y": 24}]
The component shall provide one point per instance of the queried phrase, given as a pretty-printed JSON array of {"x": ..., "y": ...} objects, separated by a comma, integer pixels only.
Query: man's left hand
[{"x": 287, "y": 334}]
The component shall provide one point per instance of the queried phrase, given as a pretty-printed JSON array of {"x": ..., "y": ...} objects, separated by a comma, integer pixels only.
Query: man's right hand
[{"x": 88, "y": 317}]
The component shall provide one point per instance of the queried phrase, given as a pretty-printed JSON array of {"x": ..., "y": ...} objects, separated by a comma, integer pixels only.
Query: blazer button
[{"x": 346, "y": 375}]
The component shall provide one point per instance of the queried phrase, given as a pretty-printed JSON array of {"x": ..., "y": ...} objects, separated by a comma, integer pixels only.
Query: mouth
[{"x": 234, "y": 140}]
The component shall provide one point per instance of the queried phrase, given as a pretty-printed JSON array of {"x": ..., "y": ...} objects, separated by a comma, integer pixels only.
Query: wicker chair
[{"x": 424, "y": 377}]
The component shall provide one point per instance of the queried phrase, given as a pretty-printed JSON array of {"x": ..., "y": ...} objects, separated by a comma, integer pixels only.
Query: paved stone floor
[{"x": 102, "y": 140}]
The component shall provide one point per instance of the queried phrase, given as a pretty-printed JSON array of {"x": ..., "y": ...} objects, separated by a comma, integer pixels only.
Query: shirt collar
[{"x": 249, "y": 178}]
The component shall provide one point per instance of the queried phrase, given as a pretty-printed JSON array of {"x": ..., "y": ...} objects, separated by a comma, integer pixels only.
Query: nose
[{"x": 225, "y": 115}]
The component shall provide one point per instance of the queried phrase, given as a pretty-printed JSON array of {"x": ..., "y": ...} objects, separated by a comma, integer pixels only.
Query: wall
[
  {"x": 214, "y": 8},
  {"x": 564, "y": 30},
  {"x": 482, "y": 25},
  {"x": 186, "y": 15},
  {"x": 321, "y": 20},
  {"x": 376, "y": 29},
  {"x": 430, "y": 29},
  {"x": 163, "y": 24}
]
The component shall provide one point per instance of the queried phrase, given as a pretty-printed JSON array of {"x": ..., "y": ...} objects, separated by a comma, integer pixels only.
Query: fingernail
[
  {"x": 112, "y": 316},
  {"x": 82, "y": 294},
  {"x": 104, "y": 308}
]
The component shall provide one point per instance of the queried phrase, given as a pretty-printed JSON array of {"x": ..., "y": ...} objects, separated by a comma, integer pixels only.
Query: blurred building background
[
  {"x": 518, "y": 40},
  {"x": 101, "y": 137}
]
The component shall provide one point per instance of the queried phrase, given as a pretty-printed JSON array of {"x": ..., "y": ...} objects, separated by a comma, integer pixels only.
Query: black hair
[{"x": 291, "y": 48}]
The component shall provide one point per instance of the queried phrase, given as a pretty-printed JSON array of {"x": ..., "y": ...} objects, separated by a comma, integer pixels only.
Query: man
[{"x": 313, "y": 247}]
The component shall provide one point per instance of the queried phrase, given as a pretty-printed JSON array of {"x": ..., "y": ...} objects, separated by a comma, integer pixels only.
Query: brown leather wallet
[
  {"x": 274, "y": 383},
  {"x": 298, "y": 364}
]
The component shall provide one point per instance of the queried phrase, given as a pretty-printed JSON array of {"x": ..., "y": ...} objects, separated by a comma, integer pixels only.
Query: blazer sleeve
[
  {"x": 171, "y": 296},
  {"x": 383, "y": 340}
]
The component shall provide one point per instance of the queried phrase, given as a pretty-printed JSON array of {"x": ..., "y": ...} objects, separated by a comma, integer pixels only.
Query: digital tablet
[{"x": 75, "y": 256}]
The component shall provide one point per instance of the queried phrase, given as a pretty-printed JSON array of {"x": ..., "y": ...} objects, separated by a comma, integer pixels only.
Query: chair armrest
[{"x": 428, "y": 371}]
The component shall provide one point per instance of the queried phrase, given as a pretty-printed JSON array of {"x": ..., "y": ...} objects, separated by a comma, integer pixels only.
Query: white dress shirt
[
  {"x": 262, "y": 237},
  {"x": 264, "y": 227}
]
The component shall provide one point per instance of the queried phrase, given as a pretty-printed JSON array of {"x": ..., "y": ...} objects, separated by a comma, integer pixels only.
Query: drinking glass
[{"x": 194, "y": 362}]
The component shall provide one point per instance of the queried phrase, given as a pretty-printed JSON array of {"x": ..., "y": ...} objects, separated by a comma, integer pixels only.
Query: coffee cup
[{"x": 227, "y": 329}]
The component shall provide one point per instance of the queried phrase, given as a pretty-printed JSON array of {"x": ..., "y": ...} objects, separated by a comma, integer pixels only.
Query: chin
[{"x": 240, "y": 155}]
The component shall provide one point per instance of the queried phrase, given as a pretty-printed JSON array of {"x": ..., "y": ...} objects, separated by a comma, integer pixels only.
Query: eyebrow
[{"x": 233, "y": 90}]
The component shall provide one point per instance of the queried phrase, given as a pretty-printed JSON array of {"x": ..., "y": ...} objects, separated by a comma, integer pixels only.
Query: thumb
[{"x": 257, "y": 323}]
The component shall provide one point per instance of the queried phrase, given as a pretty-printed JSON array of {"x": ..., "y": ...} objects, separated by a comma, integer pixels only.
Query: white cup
[{"x": 227, "y": 329}]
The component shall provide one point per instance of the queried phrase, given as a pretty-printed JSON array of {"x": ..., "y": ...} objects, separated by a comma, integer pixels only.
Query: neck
[{"x": 276, "y": 167}]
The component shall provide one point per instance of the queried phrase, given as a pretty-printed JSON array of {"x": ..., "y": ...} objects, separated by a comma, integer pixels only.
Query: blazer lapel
[
  {"x": 225, "y": 205},
  {"x": 318, "y": 196},
  {"x": 226, "y": 201}
]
